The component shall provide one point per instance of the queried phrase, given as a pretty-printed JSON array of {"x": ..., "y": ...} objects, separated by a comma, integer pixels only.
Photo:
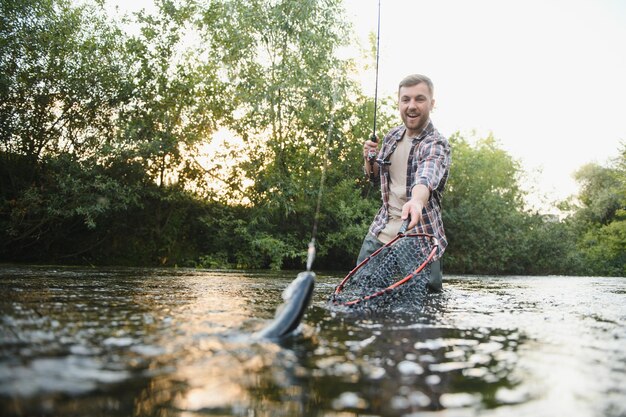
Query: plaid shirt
[{"x": 429, "y": 164}]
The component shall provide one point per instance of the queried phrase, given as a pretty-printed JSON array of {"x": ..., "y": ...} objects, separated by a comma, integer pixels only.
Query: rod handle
[{"x": 371, "y": 155}]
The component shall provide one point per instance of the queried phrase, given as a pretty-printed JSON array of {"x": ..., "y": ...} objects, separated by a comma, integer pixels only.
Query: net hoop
[{"x": 431, "y": 254}]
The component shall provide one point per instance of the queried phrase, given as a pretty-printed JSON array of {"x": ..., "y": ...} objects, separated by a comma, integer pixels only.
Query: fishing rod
[
  {"x": 371, "y": 156},
  {"x": 376, "y": 83}
]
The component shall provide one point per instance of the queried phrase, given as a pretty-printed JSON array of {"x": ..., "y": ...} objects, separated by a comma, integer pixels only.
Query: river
[{"x": 176, "y": 342}]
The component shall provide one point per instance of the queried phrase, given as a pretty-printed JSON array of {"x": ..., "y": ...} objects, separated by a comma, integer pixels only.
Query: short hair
[{"x": 414, "y": 79}]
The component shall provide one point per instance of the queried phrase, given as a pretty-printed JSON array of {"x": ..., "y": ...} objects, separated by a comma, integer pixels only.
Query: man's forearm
[
  {"x": 421, "y": 194},
  {"x": 413, "y": 208}
]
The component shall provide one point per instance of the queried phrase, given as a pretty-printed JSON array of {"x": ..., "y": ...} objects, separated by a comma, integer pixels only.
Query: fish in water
[{"x": 296, "y": 297}]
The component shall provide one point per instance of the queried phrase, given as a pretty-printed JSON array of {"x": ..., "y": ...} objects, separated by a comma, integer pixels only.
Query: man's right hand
[{"x": 370, "y": 148}]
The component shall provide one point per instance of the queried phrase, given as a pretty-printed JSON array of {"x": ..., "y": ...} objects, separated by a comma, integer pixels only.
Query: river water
[{"x": 154, "y": 342}]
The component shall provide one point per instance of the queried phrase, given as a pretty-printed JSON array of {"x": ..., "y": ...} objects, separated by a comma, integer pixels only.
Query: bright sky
[{"x": 547, "y": 77}]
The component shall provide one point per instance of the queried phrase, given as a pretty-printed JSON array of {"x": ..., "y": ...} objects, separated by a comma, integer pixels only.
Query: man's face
[{"x": 415, "y": 103}]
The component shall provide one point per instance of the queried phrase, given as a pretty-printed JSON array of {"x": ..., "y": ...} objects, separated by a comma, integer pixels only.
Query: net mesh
[{"x": 385, "y": 268}]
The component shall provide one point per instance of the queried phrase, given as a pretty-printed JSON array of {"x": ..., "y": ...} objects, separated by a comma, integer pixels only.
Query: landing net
[{"x": 393, "y": 268}]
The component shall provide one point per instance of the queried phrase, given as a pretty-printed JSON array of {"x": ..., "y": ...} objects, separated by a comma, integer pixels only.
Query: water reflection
[
  {"x": 411, "y": 365},
  {"x": 176, "y": 343}
]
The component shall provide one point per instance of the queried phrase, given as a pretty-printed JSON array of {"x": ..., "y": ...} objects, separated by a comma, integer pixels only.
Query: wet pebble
[
  {"x": 349, "y": 400},
  {"x": 83, "y": 350},
  {"x": 449, "y": 366},
  {"x": 118, "y": 341},
  {"x": 407, "y": 398},
  {"x": 433, "y": 379},
  {"x": 410, "y": 368},
  {"x": 511, "y": 396},
  {"x": 458, "y": 400}
]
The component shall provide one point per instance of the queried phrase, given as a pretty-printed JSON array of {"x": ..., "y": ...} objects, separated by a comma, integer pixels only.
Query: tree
[
  {"x": 600, "y": 219},
  {"x": 482, "y": 208},
  {"x": 61, "y": 78},
  {"x": 178, "y": 99},
  {"x": 291, "y": 95},
  {"x": 102, "y": 132},
  {"x": 61, "y": 83}
]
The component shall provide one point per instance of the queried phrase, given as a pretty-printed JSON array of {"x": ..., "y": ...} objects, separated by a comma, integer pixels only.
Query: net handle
[
  {"x": 429, "y": 258},
  {"x": 405, "y": 225}
]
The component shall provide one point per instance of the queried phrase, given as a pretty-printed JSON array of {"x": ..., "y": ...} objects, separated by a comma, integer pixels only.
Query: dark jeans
[{"x": 371, "y": 244}]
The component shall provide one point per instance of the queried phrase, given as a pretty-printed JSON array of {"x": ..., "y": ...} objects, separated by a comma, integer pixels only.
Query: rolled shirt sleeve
[{"x": 432, "y": 164}]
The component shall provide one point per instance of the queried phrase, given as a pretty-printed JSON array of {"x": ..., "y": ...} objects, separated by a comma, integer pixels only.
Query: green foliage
[
  {"x": 61, "y": 84},
  {"x": 488, "y": 229},
  {"x": 346, "y": 218},
  {"x": 177, "y": 99},
  {"x": 60, "y": 200},
  {"x": 602, "y": 193},
  {"x": 605, "y": 249},
  {"x": 60, "y": 78},
  {"x": 481, "y": 208},
  {"x": 292, "y": 98},
  {"x": 217, "y": 260},
  {"x": 285, "y": 81},
  {"x": 601, "y": 217}
]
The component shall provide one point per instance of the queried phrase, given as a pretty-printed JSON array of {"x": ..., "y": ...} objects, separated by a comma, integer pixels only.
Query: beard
[{"x": 415, "y": 124}]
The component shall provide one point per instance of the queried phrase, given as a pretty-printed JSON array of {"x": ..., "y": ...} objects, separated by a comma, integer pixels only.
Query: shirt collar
[{"x": 428, "y": 129}]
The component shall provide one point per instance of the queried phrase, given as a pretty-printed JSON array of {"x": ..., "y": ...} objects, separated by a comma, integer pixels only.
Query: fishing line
[
  {"x": 371, "y": 157},
  {"x": 311, "y": 250}
]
